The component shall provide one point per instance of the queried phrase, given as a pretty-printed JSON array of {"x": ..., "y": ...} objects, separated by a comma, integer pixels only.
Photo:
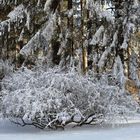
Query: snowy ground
[{"x": 130, "y": 131}]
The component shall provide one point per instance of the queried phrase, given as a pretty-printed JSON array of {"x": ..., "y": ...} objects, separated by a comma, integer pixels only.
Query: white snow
[
  {"x": 101, "y": 62},
  {"x": 35, "y": 42},
  {"x": 28, "y": 21},
  {"x": 136, "y": 4},
  {"x": 97, "y": 37},
  {"x": 118, "y": 70},
  {"x": 115, "y": 39},
  {"x": 129, "y": 131},
  {"x": 47, "y": 5},
  {"x": 101, "y": 11},
  {"x": 17, "y": 12}
]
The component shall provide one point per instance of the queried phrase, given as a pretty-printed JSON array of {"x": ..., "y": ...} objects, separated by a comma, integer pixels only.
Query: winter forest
[{"x": 69, "y": 62}]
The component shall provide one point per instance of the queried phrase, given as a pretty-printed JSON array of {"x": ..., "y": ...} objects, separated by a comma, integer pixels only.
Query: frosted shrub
[{"x": 55, "y": 98}]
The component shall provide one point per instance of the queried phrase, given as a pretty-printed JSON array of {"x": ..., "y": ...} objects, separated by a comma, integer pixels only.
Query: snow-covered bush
[{"x": 52, "y": 98}]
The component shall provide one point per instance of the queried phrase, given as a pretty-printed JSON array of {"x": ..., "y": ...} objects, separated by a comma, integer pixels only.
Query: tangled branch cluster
[{"x": 56, "y": 98}]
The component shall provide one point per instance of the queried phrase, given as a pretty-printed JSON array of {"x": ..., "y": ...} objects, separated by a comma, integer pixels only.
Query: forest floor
[{"x": 124, "y": 131}]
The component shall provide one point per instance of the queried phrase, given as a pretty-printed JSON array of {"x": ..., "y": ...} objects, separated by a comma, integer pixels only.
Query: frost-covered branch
[{"x": 55, "y": 98}]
